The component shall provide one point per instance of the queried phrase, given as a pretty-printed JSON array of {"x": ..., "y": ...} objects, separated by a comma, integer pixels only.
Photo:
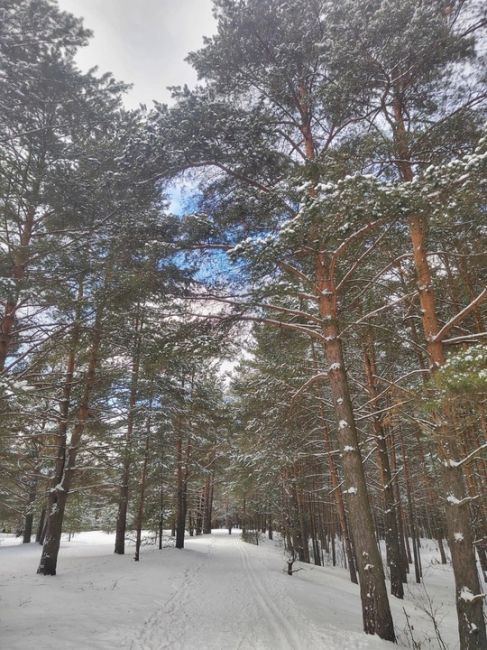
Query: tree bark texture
[{"x": 66, "y": 454}]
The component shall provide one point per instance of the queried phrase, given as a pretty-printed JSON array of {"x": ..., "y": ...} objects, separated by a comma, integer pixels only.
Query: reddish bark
[{"x": 471, "y": 622}]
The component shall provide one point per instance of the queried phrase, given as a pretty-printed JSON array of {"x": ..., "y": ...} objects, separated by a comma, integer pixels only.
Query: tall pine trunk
[
  {"x": 140, "y": 509},
  {"x": 181, "y": 492},
  {"x": 29, "y": 517},
  {"x": 376, "y": 613},
  {"x": 335, "y": 486},
  {"x": 66, "y": 457},
  {"x": 469, "y": 602},
  {"x": 208, "y": 500},
  {"x": 40, "y": 526},
  {"x": 123, "y": 499},
  {"x": 390, "y": 517}
]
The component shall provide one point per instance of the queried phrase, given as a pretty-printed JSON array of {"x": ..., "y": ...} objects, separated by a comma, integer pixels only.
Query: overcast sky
[{"x": 143, "y": 42}]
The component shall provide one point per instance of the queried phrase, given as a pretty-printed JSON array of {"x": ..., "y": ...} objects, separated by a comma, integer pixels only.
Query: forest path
[
  {"x": 231, "y": 597},
  {"x": 218, "y": 593}
]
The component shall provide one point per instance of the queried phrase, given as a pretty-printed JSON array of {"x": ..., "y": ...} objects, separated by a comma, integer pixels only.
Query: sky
[{"x": 143, "y": 42}]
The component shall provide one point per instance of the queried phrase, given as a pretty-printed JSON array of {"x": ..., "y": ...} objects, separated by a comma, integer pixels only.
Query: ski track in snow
[
  {"x": 284, "y": 627},
  {"x": 219, "y": 593},
  {"x": 186, "y": 620}
]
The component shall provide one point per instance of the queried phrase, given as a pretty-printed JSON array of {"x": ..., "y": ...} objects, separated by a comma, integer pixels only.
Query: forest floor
[{"x": 219, "y": 593}]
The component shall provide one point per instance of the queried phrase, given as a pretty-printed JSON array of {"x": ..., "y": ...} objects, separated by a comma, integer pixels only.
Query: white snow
[
  {"x": 467, "y": 595},
  {"x": 453, "y": 500},
  {"x": 58, "y": 488},
  {"x": 218, "y": 593}
]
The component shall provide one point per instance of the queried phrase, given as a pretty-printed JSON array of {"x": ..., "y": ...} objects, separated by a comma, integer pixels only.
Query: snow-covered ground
[{"x": 218, "y": 593}]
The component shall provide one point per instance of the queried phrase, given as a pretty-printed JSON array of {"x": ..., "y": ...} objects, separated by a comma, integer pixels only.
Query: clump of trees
[{"x": 339, "y": 164}]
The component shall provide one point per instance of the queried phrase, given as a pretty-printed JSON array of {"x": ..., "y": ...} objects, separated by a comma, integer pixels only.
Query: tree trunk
[
  {"x": 405, "y": 555},
  {"x": 66, "y": 458},
  {"x": 335, "y": 486},
  {"x": 199, "y": 513},
  {"x": 140, "y": 509},
  {"x": 123, "y": 498},
  {"x": 471, "y": 622},
  {"x": 340, "y": 506},
  {"x": 412, "y": 523},
  {"x": 161, "y": 515},
  {"x": 208, "y": 504},
  {"x": 390, "y": 519},
  {"x": 377, "y": 618},
  {"x": 181, "y": 490},
  {"x": 441, "y": 548},
  {"x": 40, "y": 527},
  {"x": 29, "y": 517}
]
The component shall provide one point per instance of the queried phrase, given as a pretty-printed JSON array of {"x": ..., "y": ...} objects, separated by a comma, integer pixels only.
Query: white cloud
[{"x": 143, "y": 42}]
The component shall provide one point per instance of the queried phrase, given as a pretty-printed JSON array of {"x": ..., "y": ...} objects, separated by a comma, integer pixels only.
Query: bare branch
[
  {"x": 463, "y": 339},
  {"x": 377, "y": 311},
  {"x": 470, "y": 456},
  {"x": 460, "y": 316},
  {"x": 322, "y": 376}
]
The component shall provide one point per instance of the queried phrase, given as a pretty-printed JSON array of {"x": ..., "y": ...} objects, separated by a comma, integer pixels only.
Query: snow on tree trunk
[
  {"x": 66, "y": 458},
  {"x": 380, "y": 436},
  {"x": 377, "y": 618}
]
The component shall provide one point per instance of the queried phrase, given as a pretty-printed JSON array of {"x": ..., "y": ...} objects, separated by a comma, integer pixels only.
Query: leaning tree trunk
[{"x": 66, "y": 459}]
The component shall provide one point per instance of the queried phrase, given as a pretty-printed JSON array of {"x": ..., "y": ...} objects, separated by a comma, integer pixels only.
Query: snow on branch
[
  {"x": 460, "y": 316},
  {"x": 358, "y": 234},
  {"x": 294, "y": 271},
  {"x": 472, "y": 454},
  {"x": 322, "y": 376}
]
